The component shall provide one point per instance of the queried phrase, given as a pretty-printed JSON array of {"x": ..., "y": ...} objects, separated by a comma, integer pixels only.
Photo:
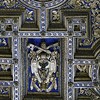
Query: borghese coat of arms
[{"x": 44, "y": 66}]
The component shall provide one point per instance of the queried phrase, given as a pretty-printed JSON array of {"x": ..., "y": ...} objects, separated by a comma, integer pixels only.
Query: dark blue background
[{"x": 37, "y": 42}]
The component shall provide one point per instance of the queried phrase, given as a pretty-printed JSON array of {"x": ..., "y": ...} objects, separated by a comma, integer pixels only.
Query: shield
[{"x": 43, "y": 71}]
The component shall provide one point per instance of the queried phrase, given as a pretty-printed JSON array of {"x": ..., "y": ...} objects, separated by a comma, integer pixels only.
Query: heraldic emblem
[{"x": 44, "y": 66}]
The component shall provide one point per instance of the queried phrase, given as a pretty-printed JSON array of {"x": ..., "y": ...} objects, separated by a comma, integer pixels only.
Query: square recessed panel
[
  {"x": 78, "y": 17},
  {"x": 82, "y": 73},
  {"x": 6, "y": 72},
  {"x": 45, "y": 68},
  {"x": 8, "y": 28},
  {"x": 5, "y": 93},
  {"x": 76, "y": 27},
  {"x": 83, "y": 94},
  {"x": 5, "y": 48}
]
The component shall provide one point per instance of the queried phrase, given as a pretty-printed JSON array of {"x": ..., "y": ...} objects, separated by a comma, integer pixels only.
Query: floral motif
[
  {"x": 4, "y": 90},
  {"x": 55, "y": 15},
  {"x": 97, "y": 33},
  {"x": 89, "y": 92},
  {"x": 9, "y": 3},
  {"x": 3, "y": 41},
  {"x": 29, "y": 15}
]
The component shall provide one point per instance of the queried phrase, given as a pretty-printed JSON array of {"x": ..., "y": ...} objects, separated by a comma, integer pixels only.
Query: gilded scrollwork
[{"x": 85, "y": 42}]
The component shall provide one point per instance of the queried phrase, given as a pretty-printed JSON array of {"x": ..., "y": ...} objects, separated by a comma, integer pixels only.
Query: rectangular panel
[
  {"x": 6, "y": 72},
  {"x": 5, "y": 93},
  {"x": 5, "y": 48},
  {"x": 45, "y": 68}
]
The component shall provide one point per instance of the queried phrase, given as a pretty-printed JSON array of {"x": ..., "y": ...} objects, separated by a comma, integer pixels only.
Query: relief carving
[
  {"x": 43, "y": 66},
  {"x": 83, "y": 73}
]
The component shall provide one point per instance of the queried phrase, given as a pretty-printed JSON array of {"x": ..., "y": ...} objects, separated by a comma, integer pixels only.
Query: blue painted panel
[
  {"x": 87, "y": 46},
  {"x": 37, "y": 42},
  {"x": 3, "y": 42}
]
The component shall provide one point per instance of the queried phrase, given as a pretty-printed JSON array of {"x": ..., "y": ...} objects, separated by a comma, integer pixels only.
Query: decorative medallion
[
  {"x": 42, "y": 3},
  {"x": 43, "y": 0}
]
